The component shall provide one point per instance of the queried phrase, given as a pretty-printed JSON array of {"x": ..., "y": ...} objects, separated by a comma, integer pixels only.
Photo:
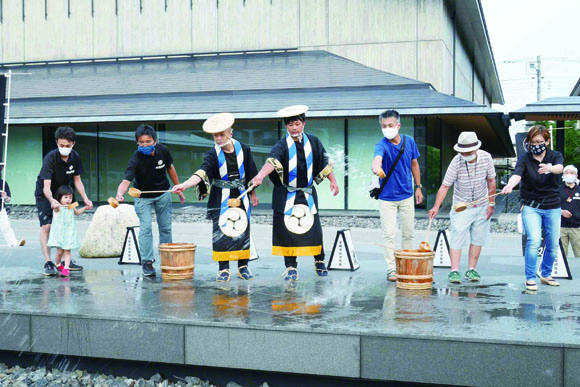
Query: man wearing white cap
[
  {"x": 570, "y": 225},
  {"x": 228, "y": 167},
  {"x": 299, "y": 160},
  {"x": 472, "y": 174}
]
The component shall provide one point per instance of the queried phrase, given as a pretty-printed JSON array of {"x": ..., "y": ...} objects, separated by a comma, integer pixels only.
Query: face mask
[
  {"x": 569, "y": 178},
  {"x": 64, "y": 151},
  {"x": 538, "y": 149},
  {"x": 146, "y": 150},
  {"x": 468, "y": 158},
  {"x": 390, "y": 133}
]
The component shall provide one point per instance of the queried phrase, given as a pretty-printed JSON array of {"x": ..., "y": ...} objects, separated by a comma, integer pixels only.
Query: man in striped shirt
[{"x": 472, "y": 175}]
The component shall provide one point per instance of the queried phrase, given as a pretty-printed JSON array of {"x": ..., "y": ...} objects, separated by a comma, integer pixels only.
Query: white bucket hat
[{"x": 467, "y": 142}]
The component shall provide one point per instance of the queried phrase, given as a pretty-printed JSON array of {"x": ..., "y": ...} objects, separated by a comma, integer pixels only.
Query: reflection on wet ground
[{"x": 359, "y": 302}]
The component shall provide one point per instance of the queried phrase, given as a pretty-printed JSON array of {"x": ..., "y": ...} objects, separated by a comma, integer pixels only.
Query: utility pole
[{"x": 539, "y": 77}]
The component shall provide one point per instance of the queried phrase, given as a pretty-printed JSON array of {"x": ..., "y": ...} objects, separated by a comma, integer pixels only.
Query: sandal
[
  {"x": 392, "y": 275},
  {"x": 223, "y": 275},
  {"x": 531, "y": 285},
  {"x": 320, "y": 268},
  {"x": 549, "y": 281}
]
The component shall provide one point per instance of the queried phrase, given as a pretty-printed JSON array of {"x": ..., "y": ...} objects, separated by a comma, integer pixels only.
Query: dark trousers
[
  {"x": 226, "y": 264},
  {"x": 290, "y": 261}
]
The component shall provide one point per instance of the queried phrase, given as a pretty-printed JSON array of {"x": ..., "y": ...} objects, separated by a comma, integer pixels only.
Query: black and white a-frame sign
[
  {"x": 560, "y": 268},
  {"x": 442, "y": 257},
  {"x": 343, "y": 256},
  {"x": 131, "y": 254},
  {"x": 253, "y": 251}
]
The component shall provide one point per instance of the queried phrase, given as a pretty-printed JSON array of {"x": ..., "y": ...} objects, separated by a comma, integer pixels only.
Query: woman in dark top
[{"x": 539, "y": 172}]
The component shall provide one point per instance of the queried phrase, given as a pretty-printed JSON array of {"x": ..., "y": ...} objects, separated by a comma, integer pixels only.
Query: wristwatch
[
  {"x": 419, "y": 186},
  {"x": 492, "y": 204}
]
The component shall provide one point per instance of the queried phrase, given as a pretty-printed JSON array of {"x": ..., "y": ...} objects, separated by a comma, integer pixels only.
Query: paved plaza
[{"x": 355, "y": 323}]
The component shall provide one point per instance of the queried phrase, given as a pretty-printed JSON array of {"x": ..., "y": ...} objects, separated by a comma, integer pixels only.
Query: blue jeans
[
  {"x": 534, "y": 220},
  {"x": 144, "y": 208}
]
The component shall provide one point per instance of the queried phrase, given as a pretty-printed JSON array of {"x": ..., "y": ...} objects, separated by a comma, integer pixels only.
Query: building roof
[
  {"x": 251, "y": 86},
  {"x": 576, "y": 89},
  {"x": 555, "y": 108}
]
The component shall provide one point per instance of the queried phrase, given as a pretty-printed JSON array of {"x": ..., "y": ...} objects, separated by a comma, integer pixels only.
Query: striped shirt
[{"x": 469, "y": 180}]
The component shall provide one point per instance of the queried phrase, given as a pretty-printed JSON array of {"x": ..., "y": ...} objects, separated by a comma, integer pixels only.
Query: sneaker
[
  {"x": 320, "y": 268},
  {"x": 392, "y": 275},
  {"x": 455, "y": 277},
  {"x": 148, "y": 269},
  {"x": 65, "y": 272},
  {"x": 291, "y": 274},
  {"x": 245, "y": 273},
  {"x": 223, "y": 275},
  {"x": 49, "y": 269},
  {"x": 472, "y": 275},
  {"x": 74, "y": 267},
  {"x": 60, "y": 267}
]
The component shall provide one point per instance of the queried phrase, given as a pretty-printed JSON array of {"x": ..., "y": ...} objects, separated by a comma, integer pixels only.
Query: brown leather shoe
[{"x": 549, "y": 281}]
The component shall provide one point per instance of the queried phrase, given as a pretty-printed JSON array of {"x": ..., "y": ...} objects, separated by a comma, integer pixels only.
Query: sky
[{"x": 524, "y": 29}]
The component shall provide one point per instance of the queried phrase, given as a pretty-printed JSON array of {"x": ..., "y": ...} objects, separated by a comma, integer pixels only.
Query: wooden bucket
[
  {"x": 414, "y": 269},
  {"x": 177, "y": 261}
]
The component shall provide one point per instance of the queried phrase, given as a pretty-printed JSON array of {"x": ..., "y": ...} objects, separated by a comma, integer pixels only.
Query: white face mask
[
  {"x": 64, "y": 151},
  {"x": 469, "y": 158},
  {"x": 569, "y": 178},
  {"x": 390, "y": 133},
  {"x": 224, "y": 144}
]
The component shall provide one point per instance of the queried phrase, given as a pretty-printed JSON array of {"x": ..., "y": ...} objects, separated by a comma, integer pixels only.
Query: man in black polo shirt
[
  {"x": 61, "y": 166},
  {"x": 570, "y": 196},
  {"x": 147, "y": 169}
]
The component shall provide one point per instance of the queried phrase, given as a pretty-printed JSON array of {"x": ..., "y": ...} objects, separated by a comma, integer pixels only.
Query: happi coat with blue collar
[
  {"x": 218, "y": 169},
  {"x": 297, "y": 157}
]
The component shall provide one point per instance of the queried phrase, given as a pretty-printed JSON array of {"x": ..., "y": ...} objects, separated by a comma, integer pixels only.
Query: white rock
[{"x": 106, "y": 233}]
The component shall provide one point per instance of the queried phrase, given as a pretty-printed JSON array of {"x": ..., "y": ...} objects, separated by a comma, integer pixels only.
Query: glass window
[
  {"x": 116, "y": 145},
  {"x": 188, "y": 144},
  {"x": 87, "y": 146},
  {"x": 24, "y": 162},
  {"x": 363, "y": 135},
  {"x": 331, "y": 134}
]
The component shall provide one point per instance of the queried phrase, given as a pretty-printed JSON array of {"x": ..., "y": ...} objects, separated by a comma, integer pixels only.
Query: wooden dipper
[
  {"x": 237, "y": 202},
  {"x": 113, "y": 202}
]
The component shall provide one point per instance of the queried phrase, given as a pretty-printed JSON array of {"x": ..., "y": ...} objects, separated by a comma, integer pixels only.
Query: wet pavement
[{"x": 362, "y": 302}]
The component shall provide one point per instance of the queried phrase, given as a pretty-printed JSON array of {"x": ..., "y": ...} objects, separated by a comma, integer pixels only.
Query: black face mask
[{"x": 538, "y": 149}]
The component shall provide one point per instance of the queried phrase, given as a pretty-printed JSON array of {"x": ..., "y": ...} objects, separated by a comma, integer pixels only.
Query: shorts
[
  {"x": 471, "y": 224},
  {"x": 44, "y": 211}
]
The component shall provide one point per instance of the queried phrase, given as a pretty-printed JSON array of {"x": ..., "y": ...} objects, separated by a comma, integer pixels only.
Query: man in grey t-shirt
[{"x": 472, "y": 174}]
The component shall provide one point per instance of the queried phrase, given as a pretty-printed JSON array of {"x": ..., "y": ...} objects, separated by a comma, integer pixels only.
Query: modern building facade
[{"x": 103, "y": 67}]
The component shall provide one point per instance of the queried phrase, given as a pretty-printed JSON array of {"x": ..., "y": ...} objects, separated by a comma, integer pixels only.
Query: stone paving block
[
  {"x": 571, "y": 367},
  {"x": 460, "y": 363},
  {"x": 108, "y": 339},
  {"x": 15, "y": 330},
  {"x": 299, "y": 352}
]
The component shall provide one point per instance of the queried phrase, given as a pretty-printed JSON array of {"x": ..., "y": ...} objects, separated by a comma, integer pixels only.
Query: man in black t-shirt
[
  {"x": 147, "y": 169},
  {"x": 61, "y": 166},
  {"x": 570, "y": 226}
]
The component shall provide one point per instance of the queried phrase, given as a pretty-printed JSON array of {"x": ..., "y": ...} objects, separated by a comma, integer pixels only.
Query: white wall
[{"x": 411, "y": 38}]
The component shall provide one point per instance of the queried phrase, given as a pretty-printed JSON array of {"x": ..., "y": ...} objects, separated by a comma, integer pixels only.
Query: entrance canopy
[
  {"x": 252, "y": 86},
  {"x": 550, "y": 109}
]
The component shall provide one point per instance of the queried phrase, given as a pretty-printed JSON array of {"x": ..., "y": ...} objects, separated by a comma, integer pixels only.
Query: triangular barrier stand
[
  {"x": 442, "y": 257},
  {"x": 343, "y": 256},
  {"x": 253, "y": 251},
  {"x": 560, "y": 268},
  {"x": 131, "y": 254}
]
